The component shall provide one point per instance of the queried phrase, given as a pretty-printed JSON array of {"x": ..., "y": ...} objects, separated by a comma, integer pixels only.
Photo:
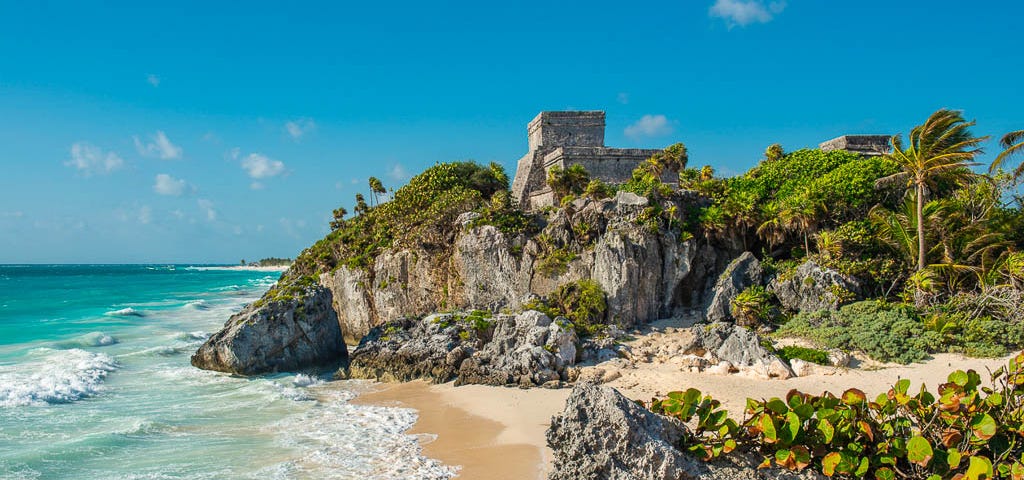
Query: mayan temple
[{"x": 563, "y": 139}]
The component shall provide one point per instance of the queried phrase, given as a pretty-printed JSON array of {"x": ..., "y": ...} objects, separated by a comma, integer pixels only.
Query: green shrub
[
  {"x": 885, "y": 332},
  {"x": 966, "y": 432},
  {"x": 583, "y": 303},
  {"x": 555, "y": 262},
  {"x": 753, "y": 306},
  {"x": 812, "y": 355}
]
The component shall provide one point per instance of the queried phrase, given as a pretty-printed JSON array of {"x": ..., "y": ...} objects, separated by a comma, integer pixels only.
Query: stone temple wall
[
  {"x": 870, "y": 145},
  {"x": 571, "y": 138}
]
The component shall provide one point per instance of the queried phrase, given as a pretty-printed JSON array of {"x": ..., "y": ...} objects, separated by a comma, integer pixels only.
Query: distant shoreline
[{"x": 241, "y": 268}]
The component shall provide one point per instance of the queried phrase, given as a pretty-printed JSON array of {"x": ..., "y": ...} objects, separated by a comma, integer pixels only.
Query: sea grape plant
[{"x": 967, "y": 431}]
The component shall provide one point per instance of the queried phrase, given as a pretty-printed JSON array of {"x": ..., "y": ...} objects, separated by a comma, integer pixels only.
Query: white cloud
[
  {"x": 261, "y": 166},
  {"x": 256, "y": 186},
  {"x": 622, "y": 98},
  {"x": 168, "y": 185},
  {"x": 153, "y": 80},
  {"x": 206, "y": 207},
  {"x": 177, "y": 213},
  {"x": 649, "y": 126},
  {"x": 745, "y": 12},
  {"x": 160, "y": 146},
  {"x": 145, "y": 214},
  {"x": 90, "y": 159},
  {"x": 398, "y": 173},
  {"x": 298, "y": 128}
]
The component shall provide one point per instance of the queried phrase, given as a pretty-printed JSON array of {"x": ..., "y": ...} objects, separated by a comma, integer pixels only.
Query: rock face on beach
[
  {"x": 278, "y": 335},
  {"x": 743, "y": 272},
  {"x": 645, "y": 274},
  {"x": 603, "y": 435},
  {"x": 742, "y": 348},
  {"x": 528, "y": 349},
  {"x": 812, "y": 287},
  {"x": 640, "y": 271}
]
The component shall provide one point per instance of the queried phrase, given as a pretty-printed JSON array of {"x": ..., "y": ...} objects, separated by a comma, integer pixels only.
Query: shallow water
[{"x": 95, "y": 383}]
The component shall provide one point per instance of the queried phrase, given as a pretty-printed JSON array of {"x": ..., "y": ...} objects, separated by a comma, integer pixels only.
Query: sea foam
[
  {"x": 126, "y": 312},
  {"x": 54, "y": 376},
  {"x": 91, "y": 339}
]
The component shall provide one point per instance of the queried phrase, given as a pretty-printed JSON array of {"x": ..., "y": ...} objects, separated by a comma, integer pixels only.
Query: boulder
[
  {"x": 813, "y": 287},
  {"x": 603, "y": 435},
  {"x": 742, "y": 348},
  {"x": 743, "y": 272},
  {"x": 432, "y": 348},
  {"x": 286, "y": 333},
  {"x": 528, "y": 349}
]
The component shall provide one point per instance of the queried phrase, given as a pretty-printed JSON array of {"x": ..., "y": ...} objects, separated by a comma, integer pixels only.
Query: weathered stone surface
[
  {"x": 278, "y": 336},
  {"x": 742, "y": 348},
  {"x": 432, "y": 348},
  {"x": 603, "y": 435},
  {"x": 812, "y": 287},
  {"x": 743, "y": 272},
  {"x": 528, "y": 349}
]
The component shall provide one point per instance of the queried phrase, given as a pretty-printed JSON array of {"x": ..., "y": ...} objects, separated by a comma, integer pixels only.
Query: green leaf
[
  {"x": 902, "y": 386},
  {"x": 995, "y": 399},
  {"x": 829, "y": 463},
  {"x": 919, "y": 451},
  {"x": 885, "y": 473},
  {"x": 953, "y": 458},
  {"x": 827, "y": 430},
  {"x": 984, "y": 426},
  {"x": 768, "y": 429},
  {"x": 980, "y": 468},
  {"x": 863, "y": 467},
  {"x": 854, "y": 396},
  {"x": 959, "y": 377},
  {"x": 777, "y": 406}
]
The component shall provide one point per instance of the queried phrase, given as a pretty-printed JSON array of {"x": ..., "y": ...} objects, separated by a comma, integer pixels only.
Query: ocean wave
[
  {"x": 303, "y": 380},
  {"x": 192, "y": 336},
  {"x": 91, "y": 339},
  {"x": 57, "y": 376},
  {"x": 356, "y": 441},
  {"x": 197, "y": 305},
  {"x": 126, "y": 312}
]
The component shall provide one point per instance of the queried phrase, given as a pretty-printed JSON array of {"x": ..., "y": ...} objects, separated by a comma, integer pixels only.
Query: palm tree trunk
[{"x": 920, "y": 227}]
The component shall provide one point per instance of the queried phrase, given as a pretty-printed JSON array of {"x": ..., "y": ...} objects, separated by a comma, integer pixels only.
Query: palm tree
[
  {"x": 1013, "y": 144},
  {"x": 377, "y": 189},
  {"x": 942, "y": 147}
]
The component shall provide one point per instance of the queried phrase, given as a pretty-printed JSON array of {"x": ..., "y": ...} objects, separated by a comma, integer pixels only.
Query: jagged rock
[
  {"x": 745, "y": 271},
  {"x": 839, "y": 358},
  {"x": 603, "y": 435},
  {"x": 801, "y": 368},
  {"x": 812, "y": 287},
  {"x": 277, "y": 336},
  {"x": 465, "y": 219},
  {"x": 524, "y": 350},
  {"x": 432, "y": 348},
  {"x": 631, "y": 199},
  {"x": 742, "y": 348}
]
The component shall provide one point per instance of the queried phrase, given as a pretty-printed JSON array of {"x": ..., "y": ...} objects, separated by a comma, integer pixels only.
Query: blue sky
[{"x": 214, "y": 131}]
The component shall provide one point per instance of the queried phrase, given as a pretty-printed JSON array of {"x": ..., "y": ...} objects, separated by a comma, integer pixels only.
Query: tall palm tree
[
  {"x": 1013, "y": 144},
  {"x": 942, "y": 147},
  {"x": 376, "y": 189}
]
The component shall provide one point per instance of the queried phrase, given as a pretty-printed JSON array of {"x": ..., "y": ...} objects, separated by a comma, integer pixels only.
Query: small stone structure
[
  {"x": 868, "y": 145},
  {"x": 569, "y": 138}
]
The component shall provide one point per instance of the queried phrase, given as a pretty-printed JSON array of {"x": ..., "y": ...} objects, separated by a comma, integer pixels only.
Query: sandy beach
[{"x": 498, "y": 432}]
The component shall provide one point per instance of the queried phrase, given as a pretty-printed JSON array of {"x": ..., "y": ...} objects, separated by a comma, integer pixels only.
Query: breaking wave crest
[{"x": 55, "y": 376}]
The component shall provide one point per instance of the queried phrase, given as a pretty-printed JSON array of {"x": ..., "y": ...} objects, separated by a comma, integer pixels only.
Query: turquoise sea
[{"x": 95, "y": 383}]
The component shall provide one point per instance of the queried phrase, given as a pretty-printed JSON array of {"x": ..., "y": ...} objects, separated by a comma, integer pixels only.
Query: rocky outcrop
[
  {"x": 744, "y": 272},
  {"x": 741, "y": 348},
  {"x": 528, "y": 349},
  {"x": 603, "y": 435},
  {"x": 643, "y": 272},
  {"x": 812, "y": 287},
  {"x": 279, "y": 335},
  {"x": 646, "y": 274}
]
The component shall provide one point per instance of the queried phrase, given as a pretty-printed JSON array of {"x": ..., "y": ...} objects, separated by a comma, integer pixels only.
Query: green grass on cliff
[{"x": 420, "y": 215}]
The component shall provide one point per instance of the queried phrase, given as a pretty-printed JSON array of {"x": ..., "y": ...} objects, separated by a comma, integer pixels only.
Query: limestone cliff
[{"x": 644, "y": 271}]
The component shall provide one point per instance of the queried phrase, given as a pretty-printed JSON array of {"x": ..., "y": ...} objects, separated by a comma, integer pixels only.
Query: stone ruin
[
  {"x": 867, "y": 145},
  {"x": 563, "y": 139},
  {"x": 569, "y": 138}
]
